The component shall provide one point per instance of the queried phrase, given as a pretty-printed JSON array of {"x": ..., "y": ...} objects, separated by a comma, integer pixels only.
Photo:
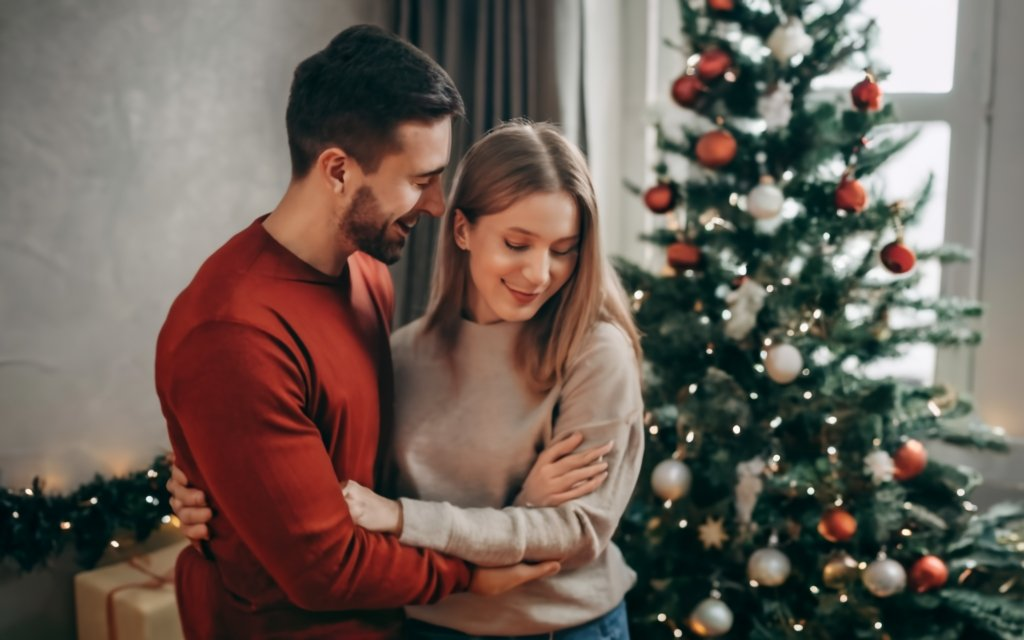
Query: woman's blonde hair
[{"x": 512, "y": 161}]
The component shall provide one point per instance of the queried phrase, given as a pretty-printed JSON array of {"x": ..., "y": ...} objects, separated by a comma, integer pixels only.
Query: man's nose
[{"x": 432, "y": 201}]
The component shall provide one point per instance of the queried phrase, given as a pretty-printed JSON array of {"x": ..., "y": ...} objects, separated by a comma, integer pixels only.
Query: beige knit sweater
[{"x": 465, "y": 439}]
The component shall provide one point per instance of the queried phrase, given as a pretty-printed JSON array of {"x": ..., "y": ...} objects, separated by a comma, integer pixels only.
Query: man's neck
[{"x": 305, "y": 227}]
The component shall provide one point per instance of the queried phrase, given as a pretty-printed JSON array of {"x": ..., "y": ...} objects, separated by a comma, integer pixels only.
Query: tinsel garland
[{"x": 36, "y": 526}]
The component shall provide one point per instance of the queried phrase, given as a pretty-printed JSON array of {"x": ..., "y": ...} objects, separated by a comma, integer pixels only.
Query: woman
[{"x": 528, "y": 344}]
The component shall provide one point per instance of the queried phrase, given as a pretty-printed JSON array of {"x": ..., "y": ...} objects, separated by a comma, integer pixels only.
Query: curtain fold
[{"x": 509, "y": 59}]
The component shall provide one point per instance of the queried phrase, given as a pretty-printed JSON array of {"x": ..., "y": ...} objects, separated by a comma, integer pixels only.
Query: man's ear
[
  {"x": 335, "y": 167},
  {"x": 461, "y": 230}
]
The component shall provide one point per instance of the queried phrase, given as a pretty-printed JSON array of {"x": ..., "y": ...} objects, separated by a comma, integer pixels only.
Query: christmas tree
[{"x": 786, "y": 492}]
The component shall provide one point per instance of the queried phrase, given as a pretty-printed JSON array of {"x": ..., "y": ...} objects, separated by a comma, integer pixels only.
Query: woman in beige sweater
[{"x": 528, "y": 346}]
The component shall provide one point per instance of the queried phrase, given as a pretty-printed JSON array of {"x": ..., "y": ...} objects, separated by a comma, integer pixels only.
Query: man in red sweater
[{"x": 273, "y": 367}]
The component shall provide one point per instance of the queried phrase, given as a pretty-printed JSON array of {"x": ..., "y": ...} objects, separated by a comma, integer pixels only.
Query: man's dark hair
[{"x": 356, "y": 91}]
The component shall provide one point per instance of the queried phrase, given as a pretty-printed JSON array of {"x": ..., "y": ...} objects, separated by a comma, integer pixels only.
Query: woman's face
[{"x": 519, "y": 257}]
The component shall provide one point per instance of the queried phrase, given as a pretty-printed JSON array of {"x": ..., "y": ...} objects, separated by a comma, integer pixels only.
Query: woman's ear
[{"x": 461, "y": 230}]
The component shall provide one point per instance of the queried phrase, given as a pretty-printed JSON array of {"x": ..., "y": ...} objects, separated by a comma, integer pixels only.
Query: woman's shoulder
[
  {"x": 407, "y": 337},
  {"x": 606, "y": 340}
]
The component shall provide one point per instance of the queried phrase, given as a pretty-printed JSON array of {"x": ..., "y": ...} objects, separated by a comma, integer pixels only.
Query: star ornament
[{"x": 712, "y": 533}]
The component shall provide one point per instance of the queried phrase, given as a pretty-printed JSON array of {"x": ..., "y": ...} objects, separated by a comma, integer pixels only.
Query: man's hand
[
  {"x": 495, "y": 581},
  {"x": 190, "y": 507},
  {"x": 371, "y": 511}
]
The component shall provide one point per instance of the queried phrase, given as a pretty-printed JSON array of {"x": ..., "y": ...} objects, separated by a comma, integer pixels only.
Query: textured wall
[{"x": 135, "y": 137}]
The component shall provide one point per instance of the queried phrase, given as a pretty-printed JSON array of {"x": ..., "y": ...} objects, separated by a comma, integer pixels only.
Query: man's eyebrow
[{"x": 433, "y": 172}]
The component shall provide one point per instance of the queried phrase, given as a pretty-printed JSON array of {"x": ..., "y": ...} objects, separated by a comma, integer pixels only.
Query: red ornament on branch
[
  {"x": 721, "y": 5},
  {"x": 867, "y": 95},
  {"x": 898, "y": 257},
  {"x": 713, "y": 64},
  {"x": 851, "y": 196},
  {"x": 716, "y": 149},
  {"x": 929, "y": 572},
  {"x": 837, "y": 525},
  {"x": 661, "y": 198},
  {"x": 687, "y": 89},
  {"x": 683, "y": 255},
  {"x": 910, "y": 460}
]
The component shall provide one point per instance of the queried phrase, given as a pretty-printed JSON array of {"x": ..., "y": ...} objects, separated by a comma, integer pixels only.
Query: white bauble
[
  {"x": 711, "y": 618},
  {"x": 783, "y": 363},
  {"x": 884, "y": 577},
  {"x": 765, "y": 200},
  {"x": 671, "y": 479},
  {"x": 769, "y": 567},
  {"x": 789, "y": 40}
]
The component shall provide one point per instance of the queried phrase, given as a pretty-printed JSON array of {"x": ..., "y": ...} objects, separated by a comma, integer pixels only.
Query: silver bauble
[
  {"x": 671, "y": 479},
  {"x": 783, "y": 363},
  {"x": 711, "y": 618},
  {"x": 769, "y": 567},
  {"x": 884, "y": 577}
]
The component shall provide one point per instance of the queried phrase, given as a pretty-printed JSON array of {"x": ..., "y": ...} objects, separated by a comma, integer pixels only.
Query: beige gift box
[{"x": 136, "y": 596}]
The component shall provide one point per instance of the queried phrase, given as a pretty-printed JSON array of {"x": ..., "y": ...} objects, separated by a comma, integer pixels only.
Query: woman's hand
[
  {"x": 559, "y": 475},
  {"x": 190, "y": 506},
  {"x": 371, "y": 511}
]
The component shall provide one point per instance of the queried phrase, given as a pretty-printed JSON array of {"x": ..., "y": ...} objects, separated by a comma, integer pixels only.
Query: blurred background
[{"x": 137, "y": 137}]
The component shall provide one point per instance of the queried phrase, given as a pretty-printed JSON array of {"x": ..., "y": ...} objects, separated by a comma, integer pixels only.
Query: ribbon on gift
[{"x": 156, "y": 581}]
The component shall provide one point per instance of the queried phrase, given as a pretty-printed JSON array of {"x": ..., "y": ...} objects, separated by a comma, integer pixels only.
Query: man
[{"x": 273, "y": 367}]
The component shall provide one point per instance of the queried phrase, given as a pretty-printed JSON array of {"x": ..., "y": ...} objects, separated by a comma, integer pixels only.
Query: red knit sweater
[{"x": 275, "y": 381}]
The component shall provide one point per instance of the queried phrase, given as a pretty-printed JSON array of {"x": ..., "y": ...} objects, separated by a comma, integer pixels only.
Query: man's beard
[{"x": 365, "y": 224}]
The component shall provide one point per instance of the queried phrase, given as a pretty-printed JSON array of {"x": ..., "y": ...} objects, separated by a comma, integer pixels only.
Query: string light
[
  {"x": 151, "y": 500},
  {"x": 690, "y": 436},
  {"x": 878, "y": 625},
  {"x": 817, "y": 314},
  {"x": 654, "y": 429},
  {"x": 94, "y": 500},
  {"x": 753, "y": 395},
  {"x": 804, "y": 327},
  {"x": 786, "y": 282},
  {"x": 693, "y": 388},
  {"x": 662, "y": 617},
  {"x": 736, "y": 429},
  {"x": 808, "y": 395},
  {"x": 754, "y": 584},
  {"x": 726, "y": 314},
  {"x": 151, "y": 474},
  {"x": 65, "y": 525},
  {"x": 15, "y": 515},
  {"x": 759, "y": 367},
  {"x": 115, "y": 544},
  {"x": 906, "y": 532},
  {"x": 843, "y": 598},
  {"x": 166, "y": 519},
  {"x": 668, "y": 504},
  {"x": 683, "y": 523},
  {"x": 29, "y": 492},
  {"x": 776, "y": 421},
  {"x": 831, "y": 420},
  {"x": 815, "y": 590},
  {"x": 961, "y": 493},
  {"x": 798, "y": 627},
  {"x": 770, "y": 288},
  {"x": 810, "y": 491},
  {"x": 831, "y": 450}
]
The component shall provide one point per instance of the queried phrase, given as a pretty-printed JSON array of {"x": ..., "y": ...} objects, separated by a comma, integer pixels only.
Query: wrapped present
[{"x": 131, "y": 600}]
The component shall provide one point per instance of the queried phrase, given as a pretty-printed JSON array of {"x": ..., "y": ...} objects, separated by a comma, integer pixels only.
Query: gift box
[{"x": 131, "y": 600}]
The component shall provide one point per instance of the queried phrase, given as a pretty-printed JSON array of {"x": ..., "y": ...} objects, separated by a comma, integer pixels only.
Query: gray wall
[{"x": 135, "y": 137}]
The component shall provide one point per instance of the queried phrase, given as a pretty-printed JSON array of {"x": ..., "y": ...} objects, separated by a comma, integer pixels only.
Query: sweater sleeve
[
  {"x": 238, "y": 395},
  {"x": 601, "y": 399}
]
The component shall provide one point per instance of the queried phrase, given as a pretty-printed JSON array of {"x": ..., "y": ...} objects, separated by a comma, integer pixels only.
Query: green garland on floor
[{"x": 35, "y": 526}]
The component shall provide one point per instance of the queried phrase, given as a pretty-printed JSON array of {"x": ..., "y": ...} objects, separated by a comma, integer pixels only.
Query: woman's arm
[{"x": 601, "y": 399}]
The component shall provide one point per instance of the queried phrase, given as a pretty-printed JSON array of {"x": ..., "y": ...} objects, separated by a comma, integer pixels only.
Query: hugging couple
[{"x": 459, "y": 478}]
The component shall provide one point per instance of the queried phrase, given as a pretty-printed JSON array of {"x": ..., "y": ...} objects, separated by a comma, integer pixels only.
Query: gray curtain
[{"x": 509, "y": 59}]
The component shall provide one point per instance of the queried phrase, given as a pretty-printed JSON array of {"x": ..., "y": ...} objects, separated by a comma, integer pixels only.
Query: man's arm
[{"x": 238, "y": 396}]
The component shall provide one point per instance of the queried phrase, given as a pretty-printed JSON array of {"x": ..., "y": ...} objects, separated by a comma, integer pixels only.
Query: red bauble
[
  {"x": 910, "y": 460},
  {"x": 867, "y": 95},
  {"x": 686, "y": 89},
  {"x": 898, "y": 257},
  {"x": 721, "y": 5},
  {"x": 929, "y": 572},
  {"x": 837, "y": 525},
  {"x": 713, "y": 64},
  {"x": 660, "y": 198},
  {"x": 851, "y": 196},
  {"x": 683, "y": 255},
  {"x": 716, "y": 149}
]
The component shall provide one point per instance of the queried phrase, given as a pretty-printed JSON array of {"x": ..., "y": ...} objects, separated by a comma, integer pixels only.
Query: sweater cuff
[{"x": 426, "y": 524}]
